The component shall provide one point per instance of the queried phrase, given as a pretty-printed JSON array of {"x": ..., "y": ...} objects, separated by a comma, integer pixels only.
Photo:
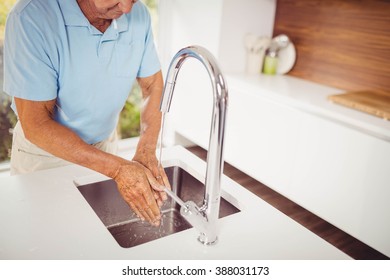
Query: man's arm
[
  {"x": 152, "y": 88},
  {"x": 133, "y": 180},
  {"x": 36, "y": 118}
]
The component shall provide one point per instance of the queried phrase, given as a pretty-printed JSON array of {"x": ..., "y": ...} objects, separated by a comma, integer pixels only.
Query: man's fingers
[
  {"x": 157, "y": 197},
  {"x": 158, "y": 182},
  {"x": 136, "y": 211},
  {"x": 143, "y": 204},
  {"x": 164, "y": 178},
  {"x": 151, "y": 202},
  {"x": 166, "y": 181},
  {"x": 156, "y": 185},
  {"x": 133, "y": 202}
]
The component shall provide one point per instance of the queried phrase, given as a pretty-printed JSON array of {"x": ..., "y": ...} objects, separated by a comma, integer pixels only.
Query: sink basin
[{"x": 123, "y": 224}]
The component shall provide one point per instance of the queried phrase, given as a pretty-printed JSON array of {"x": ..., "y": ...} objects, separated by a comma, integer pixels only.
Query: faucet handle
[{"x": 194, "y": 215}]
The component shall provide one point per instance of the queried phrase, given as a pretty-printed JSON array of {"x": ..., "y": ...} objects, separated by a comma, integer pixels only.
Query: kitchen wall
[
  {"x": 218, "y": 25},
  {"x": 341, "y": 43}
]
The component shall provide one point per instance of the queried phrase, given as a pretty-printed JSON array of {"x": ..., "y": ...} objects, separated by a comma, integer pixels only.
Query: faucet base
[{"x": 206, "y": 241}]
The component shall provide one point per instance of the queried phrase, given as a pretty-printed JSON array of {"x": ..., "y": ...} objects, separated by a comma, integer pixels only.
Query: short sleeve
[
  {"x": 28, "y": 71},
  {"x": 150, "y": 63}
]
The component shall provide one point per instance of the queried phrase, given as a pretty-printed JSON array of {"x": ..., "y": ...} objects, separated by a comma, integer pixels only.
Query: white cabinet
[
  {"x": 334, "y": 168},
  {"x": 282, "y": 131}
]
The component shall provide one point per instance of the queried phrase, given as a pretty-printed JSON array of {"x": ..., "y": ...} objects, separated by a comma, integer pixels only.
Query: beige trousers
[{"x": 27, "y": 157}]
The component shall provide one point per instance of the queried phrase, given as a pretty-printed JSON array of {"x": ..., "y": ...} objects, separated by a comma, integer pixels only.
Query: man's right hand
[{"x": 135, "y": 185}]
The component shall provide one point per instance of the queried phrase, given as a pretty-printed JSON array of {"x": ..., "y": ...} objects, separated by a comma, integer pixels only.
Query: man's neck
[{"x": 100, "y": 23}]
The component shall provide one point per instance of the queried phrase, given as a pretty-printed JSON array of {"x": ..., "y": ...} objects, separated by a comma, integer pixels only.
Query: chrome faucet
[{"x": 204, "y": 218}]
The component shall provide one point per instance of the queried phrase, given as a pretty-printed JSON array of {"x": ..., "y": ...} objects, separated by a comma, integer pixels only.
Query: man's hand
[
  {"x": 136, "y": 184},
  {"x": 148, "y": 159}
]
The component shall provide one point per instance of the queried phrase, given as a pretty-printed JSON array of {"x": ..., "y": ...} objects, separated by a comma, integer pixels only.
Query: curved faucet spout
[{"x": 210, "y": 209}]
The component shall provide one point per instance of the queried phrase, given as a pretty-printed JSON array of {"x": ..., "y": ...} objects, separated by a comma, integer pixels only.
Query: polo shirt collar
[
  {"x": 122, "y": 23},
  {"x": 73, "y": 16},
  {"x": 112, "y": 33}
]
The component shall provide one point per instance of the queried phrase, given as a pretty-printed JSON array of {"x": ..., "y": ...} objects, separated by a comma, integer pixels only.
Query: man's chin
[{"x": 116, "y": 16}]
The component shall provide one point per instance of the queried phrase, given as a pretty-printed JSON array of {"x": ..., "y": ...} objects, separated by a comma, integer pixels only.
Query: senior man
[{"x": 69, "y": 66}]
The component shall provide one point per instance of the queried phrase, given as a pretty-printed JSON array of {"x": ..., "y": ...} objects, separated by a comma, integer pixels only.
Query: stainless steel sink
[{"x": 130, "y": 231}]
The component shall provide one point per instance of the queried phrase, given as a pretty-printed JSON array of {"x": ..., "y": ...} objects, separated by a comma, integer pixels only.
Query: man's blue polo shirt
[{"x": 51, "y": 51}]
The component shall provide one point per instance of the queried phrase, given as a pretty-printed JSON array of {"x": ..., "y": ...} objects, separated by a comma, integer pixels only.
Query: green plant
[
  {"x": 130, "y": 116},
  {"x": 129, "y": 121},
  {"x": 7, "y": 122},
  {"x": 5, "y": 7}
]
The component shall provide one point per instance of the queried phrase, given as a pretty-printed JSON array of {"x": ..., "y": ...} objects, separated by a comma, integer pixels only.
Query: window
[
  {"x": 129, "y": 122},
  {"x": 7, "y": 117}
]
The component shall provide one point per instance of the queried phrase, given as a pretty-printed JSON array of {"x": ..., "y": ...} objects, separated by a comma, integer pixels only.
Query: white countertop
[
  {"x": 310, "y": 97},
  {"x": 44, "y": 216}
]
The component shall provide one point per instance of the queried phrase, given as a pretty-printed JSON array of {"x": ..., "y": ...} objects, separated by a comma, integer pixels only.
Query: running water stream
[{"x": 161, "y": 140}]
